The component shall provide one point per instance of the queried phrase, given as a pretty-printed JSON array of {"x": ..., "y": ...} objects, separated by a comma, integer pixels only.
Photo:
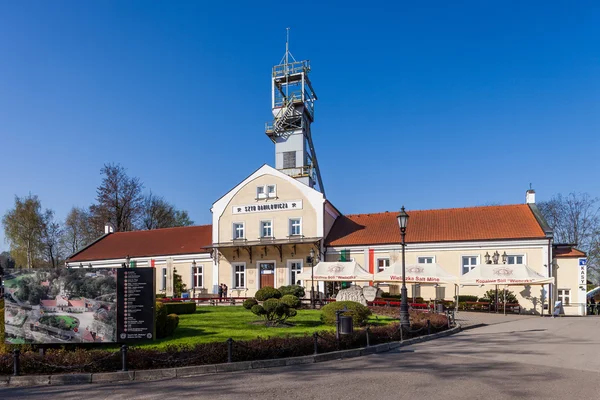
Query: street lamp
[
  {"x": 194, "y": 277},
  {"x": 404, "y": 318},
  {"x": 312, "y": 277}
]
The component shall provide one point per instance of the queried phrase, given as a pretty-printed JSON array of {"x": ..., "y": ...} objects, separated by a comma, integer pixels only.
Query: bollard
[
  {"x": 16, "y": 362},
  {"x": 316, "y": 342},
  {"x": 428, "y": 327},
  {"x": 368, "y": 341},
  {"x": 229, "y": 349},
  {"x": 124, "y": 358}
]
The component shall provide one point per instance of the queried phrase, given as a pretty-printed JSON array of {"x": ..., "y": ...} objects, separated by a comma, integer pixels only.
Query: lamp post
[
  {"x": 404, "y": 318},
  {"x": 194, "y": 278},
  {"x": 312, "y": 277}
]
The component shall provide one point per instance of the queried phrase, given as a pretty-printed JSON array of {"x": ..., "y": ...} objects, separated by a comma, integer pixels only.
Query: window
[
  {"x": 289, "y": 159},
  {"x": 295, "y": 227},
  {"x": 238, "y": 230},
  {"x": 468, "y": 263},
  {"x": 295, "y": 269},
  {"x": 564, "y": 295},
  {"x": 515, "y": 260},
  {"x": 271, "y": 191},
  {"x": 197, "y": 276},
  {"x": 164, "y": 279},
  {"x": 440, "y": 292},
  {"x": 383, "y": 264},
  {"x": 425, "y": 260},
  {"x": 416, "y": 290},
  {"x": 260, "y": 192},
  {"x": 266, "y": 229},
  {"x": 239, "y": 278}
]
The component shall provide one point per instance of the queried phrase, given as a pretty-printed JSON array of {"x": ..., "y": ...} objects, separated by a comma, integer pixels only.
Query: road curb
[{"x": 184, "y": 372}]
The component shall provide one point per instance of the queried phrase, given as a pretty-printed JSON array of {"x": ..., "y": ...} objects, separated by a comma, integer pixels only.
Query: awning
[
  {"x": 336, "y": 271},
  {"x": 504, "y": 274},
  {"x": 416, "y": 273},
  {"x": 593, "y": 292}
]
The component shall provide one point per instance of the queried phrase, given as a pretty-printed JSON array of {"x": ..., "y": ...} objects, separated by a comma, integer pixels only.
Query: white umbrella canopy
[
  {"x": 416, "y": 273},
  {"x": 504, "y": 274},
  {"x": 336, "y": 271}
]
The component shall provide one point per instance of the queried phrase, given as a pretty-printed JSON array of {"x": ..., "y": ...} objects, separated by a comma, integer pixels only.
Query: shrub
[
  {"x": 266, "y": 293},
  {"x": 257, "y": 309},
  {"x": 270, "y": 305},
  {"x": 294, "y": 290},
  {"x": 249, "y": 303},
  {"x": 290, "y": 300},
  {"x": 181, "y": 308},
  {"x": 464, "y": 297},
  {"x": 357, "y": 311},
  {"x": 490, "y": 296},
  {"x": 171, "y": 325},
  {"x": 160, "y": 316}
]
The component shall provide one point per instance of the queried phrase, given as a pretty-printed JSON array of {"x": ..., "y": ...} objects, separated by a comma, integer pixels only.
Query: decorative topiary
[
  {"x": 359, "y": 313},
  {"x": 266, "y": 293},
  {"x": 295, "y": 290},
  {"x": 290, "y": 300},
  {"x": 257, "y": 309},
  {"x": 249, "y": 303}
]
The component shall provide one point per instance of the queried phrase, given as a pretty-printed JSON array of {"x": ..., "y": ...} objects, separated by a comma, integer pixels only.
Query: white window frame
[
  {"x": 415, "y": 291},
  {"x": 198, "y": 272},
  {"x": 262, "y": 195},
  {"x": 440, "y": 290},
  {"x": 290, "y": 224},
  {"x": 515, "y": 256},
  {"x": 261, "y": 228},
  {"x": 235, "y": 273},
  {"x": 289, "y": 263},
  {"x": 426, "y": 257},
  {"x": 271, "y": 195},
  {"x": 471, "y": 266},
  {"x": 234, "y": 230},
  {"x": 564, "y": 296},
  {"x": 163, "y": 279},
  {"x": 382, "y": 259}
]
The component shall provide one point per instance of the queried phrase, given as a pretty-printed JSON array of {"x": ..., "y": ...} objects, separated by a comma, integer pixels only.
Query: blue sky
[{"x": 429, "y": 104}]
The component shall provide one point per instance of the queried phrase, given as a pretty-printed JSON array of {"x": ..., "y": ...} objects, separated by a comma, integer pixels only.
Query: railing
[
  {"x": 291, "y": 68},
  {"x": 300, "y": 172}
]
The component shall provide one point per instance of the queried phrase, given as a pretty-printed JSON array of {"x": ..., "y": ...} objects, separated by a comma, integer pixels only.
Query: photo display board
[{"x": 77, "y": 305}]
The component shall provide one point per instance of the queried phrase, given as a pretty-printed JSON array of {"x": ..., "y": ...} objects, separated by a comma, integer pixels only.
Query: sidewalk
[{"x": 468, "y": 319}]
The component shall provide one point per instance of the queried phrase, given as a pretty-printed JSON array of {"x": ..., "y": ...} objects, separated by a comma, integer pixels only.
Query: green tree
[
  {"x": 77, "y": 231},
  {"x": 158, "y": 213},
  {"x": 23, "y": 228},
  {"x": 178, "y": 285}
]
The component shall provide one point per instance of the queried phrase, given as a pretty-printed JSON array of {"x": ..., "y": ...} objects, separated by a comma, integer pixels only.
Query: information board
[{"x": 135, "y": 304}]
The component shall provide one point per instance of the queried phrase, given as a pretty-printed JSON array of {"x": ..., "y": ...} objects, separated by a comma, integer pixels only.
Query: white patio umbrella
[
  {"x": 336, "y": 271},
  {"x": 416, "y": 273},
  {"x": 503, "y": 274}
]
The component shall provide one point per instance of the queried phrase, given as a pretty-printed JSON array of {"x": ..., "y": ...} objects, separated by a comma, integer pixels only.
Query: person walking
[
  {"x": 225, "y": 291},
  {"x": 220, "y": 292}
]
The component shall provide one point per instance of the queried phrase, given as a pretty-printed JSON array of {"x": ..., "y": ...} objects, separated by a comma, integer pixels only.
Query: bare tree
[
  {"x": 77, "y": 231},
  {"x": 575, "y": 219},
  {"x": 50, "y": 239},
  {"x": 119, "y": 200},
  {"x": 158, "y": 213},
  {"x": 23, "y": 230}
]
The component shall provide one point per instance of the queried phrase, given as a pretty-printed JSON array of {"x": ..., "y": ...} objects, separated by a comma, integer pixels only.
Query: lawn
[{"x": 217, "y": 324}]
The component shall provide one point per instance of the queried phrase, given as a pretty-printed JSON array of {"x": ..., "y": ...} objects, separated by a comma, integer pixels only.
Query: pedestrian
[
  {"x": 593, "y": 309},
  {"x": 225, "y": 291},
  {"x": 220, "y": 292}
]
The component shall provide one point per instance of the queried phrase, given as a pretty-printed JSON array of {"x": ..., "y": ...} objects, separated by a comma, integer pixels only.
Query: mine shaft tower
[{"x": 293, "y": 105}]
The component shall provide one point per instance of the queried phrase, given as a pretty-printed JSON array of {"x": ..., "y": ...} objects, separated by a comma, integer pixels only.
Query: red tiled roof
[
  {"x": 157, "y": 242},
  {"x": 566, "y": 252},
  {"x": 446, "y": 225}
]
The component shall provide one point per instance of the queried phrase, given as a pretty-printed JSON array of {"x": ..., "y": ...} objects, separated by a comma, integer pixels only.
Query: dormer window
[{"x": 271, "y": 191}]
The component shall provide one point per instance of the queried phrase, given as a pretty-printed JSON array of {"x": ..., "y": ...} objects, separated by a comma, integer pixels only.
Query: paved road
[{"x": 526, "y": 358}]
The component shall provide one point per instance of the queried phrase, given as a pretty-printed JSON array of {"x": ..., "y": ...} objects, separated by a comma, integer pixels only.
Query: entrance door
[{"x": 267, "y": 274}]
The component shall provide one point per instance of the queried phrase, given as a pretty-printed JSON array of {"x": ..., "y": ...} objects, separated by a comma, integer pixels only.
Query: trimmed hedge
[
  {"x": 266, "y": 293},
  {"x": 172, "y": 324},
  {"x": 359, "y": 313},
  {"x": 166, "y": 322},
  {"x": 295, "y": 290},
  {"x": 181, "y": 308},
  {"x": 462, "y": 298}
]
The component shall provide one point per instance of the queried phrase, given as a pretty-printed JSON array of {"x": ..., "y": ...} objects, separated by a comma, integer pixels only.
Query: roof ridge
[
  {"x": 165, "y": 229},
  {"x": 438, "y": 209}
]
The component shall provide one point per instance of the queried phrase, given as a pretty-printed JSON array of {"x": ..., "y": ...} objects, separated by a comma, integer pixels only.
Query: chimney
[
  {"x": 530, "y": 196},
  {"x": 108, "y": 228}
]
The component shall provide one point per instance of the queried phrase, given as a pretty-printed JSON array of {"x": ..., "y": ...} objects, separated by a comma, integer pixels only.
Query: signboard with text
[
  {"x": 135, "y": 304},
  {"x": 267, "y": 207}
]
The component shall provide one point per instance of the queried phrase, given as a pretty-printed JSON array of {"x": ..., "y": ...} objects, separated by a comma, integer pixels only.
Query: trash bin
[
  {"x": 439, "y": 308},
  {"x": 346, "y": 327}
]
